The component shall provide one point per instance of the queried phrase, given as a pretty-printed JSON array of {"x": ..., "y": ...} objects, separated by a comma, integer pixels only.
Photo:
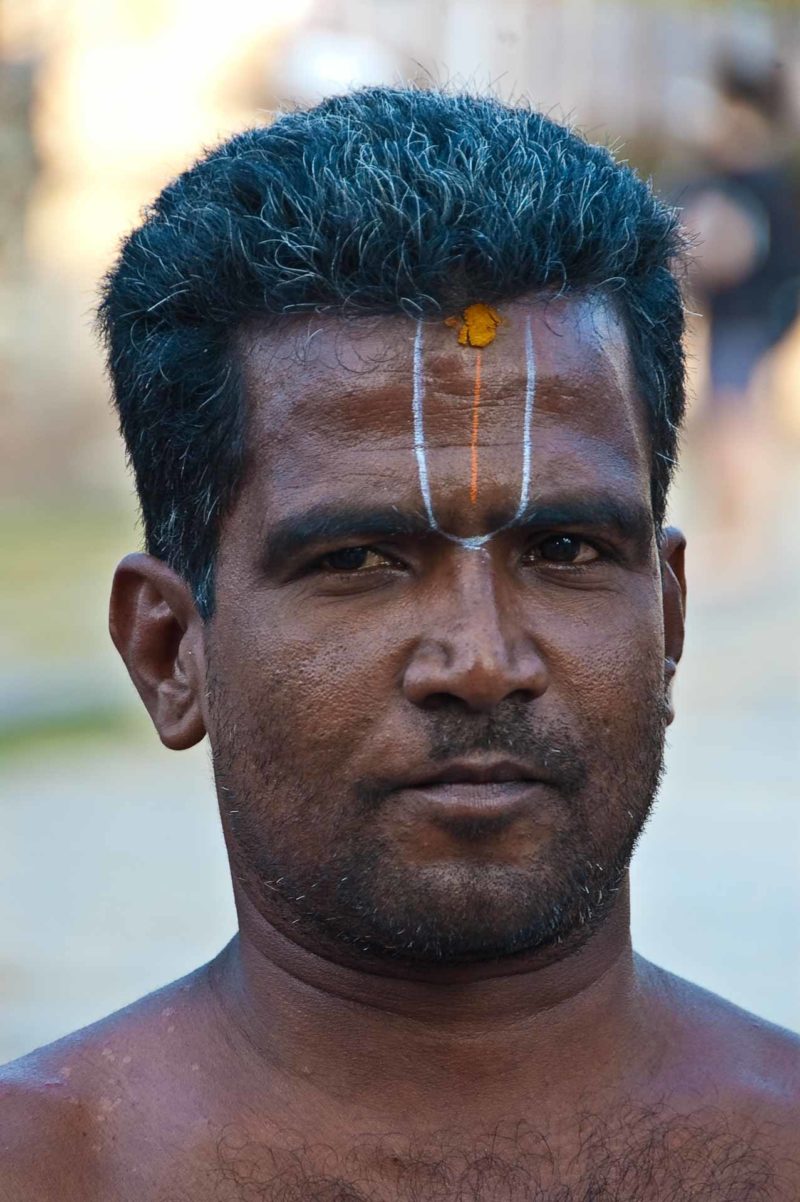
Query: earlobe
[
  {"x": 157, "y": 630},
  {"x": 673, "y": 589}
]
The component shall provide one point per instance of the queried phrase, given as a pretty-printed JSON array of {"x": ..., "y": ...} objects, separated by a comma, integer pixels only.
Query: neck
[{"x": 397, "y": 1038}]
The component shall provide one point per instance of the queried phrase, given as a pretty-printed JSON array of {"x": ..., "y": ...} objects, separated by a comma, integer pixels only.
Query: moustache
[{"x": 551, "y": 751}]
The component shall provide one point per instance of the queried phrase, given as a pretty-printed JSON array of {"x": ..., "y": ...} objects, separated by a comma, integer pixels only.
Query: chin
[{"x": 458, "y": 915}]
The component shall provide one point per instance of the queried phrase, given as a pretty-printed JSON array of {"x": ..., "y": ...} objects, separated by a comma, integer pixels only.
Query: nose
[{"x": 479, "y": 652}]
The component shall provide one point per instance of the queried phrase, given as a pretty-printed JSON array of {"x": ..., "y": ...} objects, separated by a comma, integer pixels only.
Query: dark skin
[{"x": 401, "y": 1016}]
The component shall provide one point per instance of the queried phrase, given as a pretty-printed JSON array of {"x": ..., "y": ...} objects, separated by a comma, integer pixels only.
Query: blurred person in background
[
  {"x": 743, "y": 212},
  {"x": 401, "y": 380}
]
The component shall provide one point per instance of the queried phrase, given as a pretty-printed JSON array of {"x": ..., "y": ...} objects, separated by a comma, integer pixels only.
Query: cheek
[
  {"x": 608, "y": 660},
  {"x": 317, "y": 681},
  {"x": 328, "y": 679}
]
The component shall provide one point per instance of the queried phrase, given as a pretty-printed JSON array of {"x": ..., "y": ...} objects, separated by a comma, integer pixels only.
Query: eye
[
  {"x": 353, "y": 559},
  {"x": 566, "y": 549}
]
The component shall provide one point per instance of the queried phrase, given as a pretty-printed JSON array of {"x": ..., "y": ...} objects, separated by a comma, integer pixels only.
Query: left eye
[
  {"x": 565, "y": 548},
  {"x": 353, "y": 559}
]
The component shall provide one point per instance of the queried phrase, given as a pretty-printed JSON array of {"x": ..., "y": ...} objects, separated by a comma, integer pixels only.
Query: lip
[
  {"x": 462, "y": 799},
  {"x": 471, "y": 773},
  {"x": 488, "y": 791}
]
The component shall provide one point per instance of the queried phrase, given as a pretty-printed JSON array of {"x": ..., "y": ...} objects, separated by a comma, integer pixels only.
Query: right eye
[{"x": 354, "y": 559}]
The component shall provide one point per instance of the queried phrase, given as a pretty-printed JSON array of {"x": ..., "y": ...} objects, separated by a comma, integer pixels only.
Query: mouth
[
  {"x": 473, "y": 788},
  {"x": 475, "y": 772}
]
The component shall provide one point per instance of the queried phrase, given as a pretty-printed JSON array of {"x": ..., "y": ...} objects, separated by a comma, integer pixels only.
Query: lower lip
[{"x": 476, "y": 799}]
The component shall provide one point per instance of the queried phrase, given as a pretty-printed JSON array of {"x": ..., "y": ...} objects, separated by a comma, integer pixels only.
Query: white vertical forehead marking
[
  {"x": 527, "y": 424},
  {"x": 419, "y": 428},
  {"x": 420, "y": 450}
]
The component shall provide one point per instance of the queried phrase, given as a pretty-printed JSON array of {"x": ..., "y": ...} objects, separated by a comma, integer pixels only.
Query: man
[{"x": 401, "y": 379}]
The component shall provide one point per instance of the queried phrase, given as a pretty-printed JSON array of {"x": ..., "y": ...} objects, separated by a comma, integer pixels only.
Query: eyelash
[
  {"x": 603, "y": 553},
  {"x": 600, "y": 553}
]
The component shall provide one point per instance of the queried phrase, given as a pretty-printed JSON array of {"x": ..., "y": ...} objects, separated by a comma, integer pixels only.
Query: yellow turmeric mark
[
  {"x": 476, "y": 407},
  {"x": 477, "y": 325}
]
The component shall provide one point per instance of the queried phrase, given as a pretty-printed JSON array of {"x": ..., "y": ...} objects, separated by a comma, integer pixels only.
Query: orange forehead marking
[
  {"x": 476, "y": 409},
  {"x": 477, "y": 325}
]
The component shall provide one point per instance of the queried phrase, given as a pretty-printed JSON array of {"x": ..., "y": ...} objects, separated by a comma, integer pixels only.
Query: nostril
[
  {"x": 444, "y": 701},
  {"x": 472, "y": 677}
]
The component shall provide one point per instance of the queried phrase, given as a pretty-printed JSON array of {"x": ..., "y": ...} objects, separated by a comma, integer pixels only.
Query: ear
[
  {"x": 672, "y": 546},
  {"x": 157, "y": 630}
]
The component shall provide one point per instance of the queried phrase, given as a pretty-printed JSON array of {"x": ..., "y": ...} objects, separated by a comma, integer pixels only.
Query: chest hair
[{"x": 636, "y": 1155}]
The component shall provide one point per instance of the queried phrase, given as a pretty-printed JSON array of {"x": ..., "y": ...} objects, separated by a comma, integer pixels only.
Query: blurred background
[{"x": 112, "y": 873}]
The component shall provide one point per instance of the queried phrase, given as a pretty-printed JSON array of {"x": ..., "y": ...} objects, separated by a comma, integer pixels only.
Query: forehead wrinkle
[
  {"x": 338, "y": 354},
  {"x": 564, "y": 436},
  {"x": 307, "y": 377}
]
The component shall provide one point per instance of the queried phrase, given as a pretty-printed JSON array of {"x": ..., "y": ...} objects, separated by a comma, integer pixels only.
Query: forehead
[{"x": 330, "y": 404}]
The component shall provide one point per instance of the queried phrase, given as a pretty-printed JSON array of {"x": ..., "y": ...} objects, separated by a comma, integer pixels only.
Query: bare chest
[{"x": 646, "y": 1157}]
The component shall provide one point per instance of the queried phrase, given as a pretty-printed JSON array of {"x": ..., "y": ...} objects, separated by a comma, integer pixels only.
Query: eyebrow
[
  {"x": 631, "y": 520},
  {"x": 328, "y": 524},
  {"x": 325, "y": 524}
]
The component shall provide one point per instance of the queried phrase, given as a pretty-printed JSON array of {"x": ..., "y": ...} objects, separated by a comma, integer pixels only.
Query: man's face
[{"x": 425, "y": 746}]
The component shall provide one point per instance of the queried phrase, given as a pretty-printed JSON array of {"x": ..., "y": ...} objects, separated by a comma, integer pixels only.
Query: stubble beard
[{"x": 357, "y": 891}]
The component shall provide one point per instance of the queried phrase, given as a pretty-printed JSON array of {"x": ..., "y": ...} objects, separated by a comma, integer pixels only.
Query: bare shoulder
[
  {"x": 733, "y": 1078},
  {"x": 735, "y": 1059},
  {"x": 67, "y": 1109},
  {"x": 44, "y": 1130},
  {"x": 760, "y": 1048}
]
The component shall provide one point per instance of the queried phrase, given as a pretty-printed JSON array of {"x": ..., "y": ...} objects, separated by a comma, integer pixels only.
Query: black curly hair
[{"x": 386, "y": 200}]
